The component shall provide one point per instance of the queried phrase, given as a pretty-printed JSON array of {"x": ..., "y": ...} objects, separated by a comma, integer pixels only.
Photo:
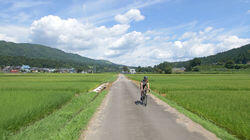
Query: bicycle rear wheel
[{"x": 142, "y": 99}]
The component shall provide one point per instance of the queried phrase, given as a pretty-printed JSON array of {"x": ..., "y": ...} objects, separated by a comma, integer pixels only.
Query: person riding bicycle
[{"x": 144, "y": 84}]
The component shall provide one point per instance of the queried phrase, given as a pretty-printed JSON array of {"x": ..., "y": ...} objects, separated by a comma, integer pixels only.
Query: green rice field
[
  {"x": 223, "y": 99},
  {"x": 27, "y": 98}
]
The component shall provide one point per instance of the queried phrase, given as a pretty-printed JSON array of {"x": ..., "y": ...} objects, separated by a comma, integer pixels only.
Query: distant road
[{"x": 120, "y": 118}]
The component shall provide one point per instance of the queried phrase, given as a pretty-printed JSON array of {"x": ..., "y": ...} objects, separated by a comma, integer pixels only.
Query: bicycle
[{"x": 144, "y": 97}]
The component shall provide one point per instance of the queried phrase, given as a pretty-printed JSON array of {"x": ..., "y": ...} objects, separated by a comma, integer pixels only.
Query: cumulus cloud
[
  {"x": 69, "y": 34},
  {"x": 131, "y": 15},
  {"x": 14, "y": 33},
  {"x": 72, "y": 36},
  {"x": 119, "y": 45},
  {"x": 7, "y": 38},
  {"x": 194, "y": 44},
  {"x": 178, "y": 44}
]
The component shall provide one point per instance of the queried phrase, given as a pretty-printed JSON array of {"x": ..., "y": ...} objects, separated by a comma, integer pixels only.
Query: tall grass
[
  {"x": 25, "y": 98},
  {"x": 223, "y": 99}
]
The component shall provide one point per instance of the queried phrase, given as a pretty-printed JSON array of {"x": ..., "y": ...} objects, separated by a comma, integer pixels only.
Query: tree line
[{"x": 46, "y": 63}]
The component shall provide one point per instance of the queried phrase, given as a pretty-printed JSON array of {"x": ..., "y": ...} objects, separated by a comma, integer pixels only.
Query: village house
[
  {"x": 13, "y": 69},
  {"x": 25, "y": 68},
  {"x": 84, "y": 72},
  {"x": 178, "y": 70},
  {"x": 132, "y": 71}
]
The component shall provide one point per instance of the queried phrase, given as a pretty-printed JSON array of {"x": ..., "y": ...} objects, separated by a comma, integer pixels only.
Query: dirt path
[{"x": 120, "y": 117}]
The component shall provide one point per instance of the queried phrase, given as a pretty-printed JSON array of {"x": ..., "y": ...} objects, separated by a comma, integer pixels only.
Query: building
[
  {"x": 84, "y": 72},
  {"x": 178, "y": 70},
  {"x": 14, "y": 71},
  {"x": 7, "y": 69},
  {"x": 132, "y": 71},
  {"x": 25, "y": 68}
]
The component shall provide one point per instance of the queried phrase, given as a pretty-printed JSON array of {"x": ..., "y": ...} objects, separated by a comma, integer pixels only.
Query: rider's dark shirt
[{"x": 144, "y": 83}]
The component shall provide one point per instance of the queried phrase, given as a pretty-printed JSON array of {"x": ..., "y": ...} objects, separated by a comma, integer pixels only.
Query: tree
[
  {"x": 164, "y": 67},
  {"x": 242, "y": 59},
  {"x": 196, "y": 68},
  {"x": 125, "y": 69},
  {"x": 168, "y": 69},
  {"x": 139, "y": 69},
  {"x": 229, "y": 64},
  {"x": 195, "y": 62},
  {"x": 79, "y": 69},
  {"x": 188, "y": 67}
]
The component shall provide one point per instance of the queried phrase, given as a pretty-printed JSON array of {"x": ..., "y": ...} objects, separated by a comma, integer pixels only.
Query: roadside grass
[
  {"x": 65, "y": 123},
  {"x": 221, "y": 99},
  {"x": 27, "y": 98}
]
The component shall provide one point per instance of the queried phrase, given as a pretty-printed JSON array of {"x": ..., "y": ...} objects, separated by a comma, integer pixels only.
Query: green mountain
[
  {"x": 25, "y": 53},
  {"x": 239, "y": 55}
]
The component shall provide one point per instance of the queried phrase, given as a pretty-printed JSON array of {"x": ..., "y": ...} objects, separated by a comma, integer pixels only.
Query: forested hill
[
  {"x": 238, "y": 55},
  {"x": 23, "y": 52}
]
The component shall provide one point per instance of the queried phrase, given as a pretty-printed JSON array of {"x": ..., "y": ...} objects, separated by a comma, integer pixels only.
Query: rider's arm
[{"x": 148, "y": 86}]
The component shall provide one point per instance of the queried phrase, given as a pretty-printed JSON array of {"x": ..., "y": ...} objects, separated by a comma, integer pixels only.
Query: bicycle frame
[{"x": 144, "y": 97}]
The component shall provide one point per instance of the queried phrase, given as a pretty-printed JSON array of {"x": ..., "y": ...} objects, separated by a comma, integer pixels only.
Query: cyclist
[{"x": 144, "y": 84}]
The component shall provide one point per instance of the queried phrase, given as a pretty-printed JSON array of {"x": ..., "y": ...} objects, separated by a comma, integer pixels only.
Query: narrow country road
[{"x": 120, "y": 118}]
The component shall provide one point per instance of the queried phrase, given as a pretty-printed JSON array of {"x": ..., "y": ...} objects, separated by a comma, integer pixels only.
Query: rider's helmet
[{"x": 145, "y": 78}]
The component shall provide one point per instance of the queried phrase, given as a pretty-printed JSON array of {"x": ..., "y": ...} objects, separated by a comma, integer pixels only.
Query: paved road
[{"x": 120, "y": 118}]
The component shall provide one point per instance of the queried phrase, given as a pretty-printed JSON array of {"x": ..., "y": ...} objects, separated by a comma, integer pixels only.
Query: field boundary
[{"x": 218, "y": 131}]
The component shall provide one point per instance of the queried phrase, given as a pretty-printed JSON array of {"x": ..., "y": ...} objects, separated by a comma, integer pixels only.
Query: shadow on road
[{"x": 138, "y": 102}]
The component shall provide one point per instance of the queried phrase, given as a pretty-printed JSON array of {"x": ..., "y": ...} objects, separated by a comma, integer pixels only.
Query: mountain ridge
[{"x": 29, "y": 51}]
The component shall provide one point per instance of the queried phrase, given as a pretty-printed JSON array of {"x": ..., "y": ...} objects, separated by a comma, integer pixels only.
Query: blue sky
[{"x": 132, "y": 32}]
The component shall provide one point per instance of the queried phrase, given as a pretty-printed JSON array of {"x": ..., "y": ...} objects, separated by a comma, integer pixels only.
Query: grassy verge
[
  {"x": 206, "y": 123},
  {"x": 65, "y": 123}
]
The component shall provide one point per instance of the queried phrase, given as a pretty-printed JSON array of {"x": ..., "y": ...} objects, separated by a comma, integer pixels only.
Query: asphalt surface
[{"x": 122, "y": 117}]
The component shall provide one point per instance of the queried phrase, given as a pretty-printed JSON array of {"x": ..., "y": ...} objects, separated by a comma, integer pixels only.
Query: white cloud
[
  {"x": 14, "y": 33},
  {"x": 119, "y": 45},
  {"x": 208, "y": 29},
  {"x": 101, "y": 16},
  {"x": 87, "y": 39},
  {"x": 248, "y": 11},
  {"x": 178, "y": 44},
  {"x": 188, "y": 35},
  {"x": 227, "y": 42},
  {"x": 193, "y": 44},
  {"x": 7, "y": 38},
  {"x": 131, "y": 15}
]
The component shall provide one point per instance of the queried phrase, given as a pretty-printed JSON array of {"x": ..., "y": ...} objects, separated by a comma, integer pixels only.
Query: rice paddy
[
  {"x": 223, "y": 99},
  {"x": 27, "y": 98}
]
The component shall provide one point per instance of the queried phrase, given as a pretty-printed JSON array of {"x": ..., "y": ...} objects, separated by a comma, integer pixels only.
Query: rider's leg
[{"x": 141, "y": 94}]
